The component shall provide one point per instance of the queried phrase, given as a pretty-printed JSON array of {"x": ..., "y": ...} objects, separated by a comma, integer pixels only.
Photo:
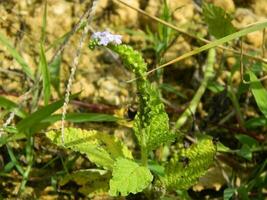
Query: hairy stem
[{"x": 74, "y": 66}]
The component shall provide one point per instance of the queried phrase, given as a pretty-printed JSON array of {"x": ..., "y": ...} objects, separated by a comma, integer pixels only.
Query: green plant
[{"x": 151, "y": 128}]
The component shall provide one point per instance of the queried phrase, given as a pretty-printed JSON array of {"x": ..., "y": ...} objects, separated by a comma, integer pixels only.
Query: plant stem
[
  {"x": 143, "y": 149},
  {"x": 29, "y": 157},
  {"x": 191, "y": 109}
]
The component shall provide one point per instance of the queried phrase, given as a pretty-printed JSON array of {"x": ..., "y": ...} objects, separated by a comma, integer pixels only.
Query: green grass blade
[
  {"x": 26, "y": 124},
  {"x": 250, "y": 29},
  {"x": 82, "y": 117},
  {"x": 259, "y": 93},
  {"x": 26, "y": 69},
  {"x": 43, "y": 36},
  {"x": 45, "y": 75},
  {"x": 10, "y": 105}
]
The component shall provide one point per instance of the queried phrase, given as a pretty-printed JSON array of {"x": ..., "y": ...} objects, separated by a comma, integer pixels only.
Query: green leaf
[
  {"x": 222, "y": 148},
  {"x": 82, "y": 117},
  {"x": 4, "y": 41},
  {"x": 228, "y": 193},
  {"x": 247, "y": 140},
  {"x": 11, "y": 106},
  {"x": 100, "y": 148},
  {"x": 245, "y": 152},
  {"x": 44, "y": 22},
  {"x": 186, "y": 168},
  {"x": 27, "y": 123},
  {"x": 45, "y": 75},
  {"x": 219, "y": 22},
  {"x": 54, "y": 69},
  {"x": 256, "y": 122},
  {"x": 128, "y": 177},
  {"x": 259, "y": 93}
]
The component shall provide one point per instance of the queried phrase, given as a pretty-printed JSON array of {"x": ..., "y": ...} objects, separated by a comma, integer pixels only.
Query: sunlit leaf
[
  {"x": 100, "y": 148},
  {"x": 128, "y": 177}
]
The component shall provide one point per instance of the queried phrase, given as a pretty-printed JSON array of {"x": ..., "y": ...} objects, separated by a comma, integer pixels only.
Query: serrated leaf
[
  {"x": 184, "y": 170},
  {"x": 152, "y": 125},
  {"x": 219, "y": 22},
  {"x": 259, "y": 93},
  {"x": 100, "y": 148},
  {"x": 128, "y": 177}
]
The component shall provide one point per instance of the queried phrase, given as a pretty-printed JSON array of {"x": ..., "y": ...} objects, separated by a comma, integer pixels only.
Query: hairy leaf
[
  {"x": 184, "y": 170},
  {"x": 128, "y": 177},
  {"x": 151, "y": 123},
  {"x": 100, "y": 148},
  {"x": 219, "y": 22}
]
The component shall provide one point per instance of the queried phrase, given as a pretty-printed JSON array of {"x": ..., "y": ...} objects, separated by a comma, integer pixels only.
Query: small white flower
[{"x": 105, "y": 38}]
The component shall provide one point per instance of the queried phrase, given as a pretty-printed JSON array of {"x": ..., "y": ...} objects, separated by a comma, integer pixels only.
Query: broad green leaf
[
  {"x": 219, "y": 22},
  {"x": 26, "y": 69},
  {"x": 92, "y": 181},
  {"x": 11, "y": 106},
  {"x": 259, "y": 93},
  {"x": 45, "y": 75},
  {"x": 100, "y": 148},
  {"x": 82, "y": 117},
  {"x": 247, "y": 140},
  {"x": 128, "y": 177}
]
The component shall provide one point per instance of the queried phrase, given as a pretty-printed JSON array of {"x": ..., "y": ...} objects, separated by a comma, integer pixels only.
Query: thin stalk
[
  {"x": 208, "y": 75},
  {"x": 75, "y": 64},
  {"x": 30, "y": 160},
  {"x": 143, "y": 150},
  {"x": 237, "y": 107}
]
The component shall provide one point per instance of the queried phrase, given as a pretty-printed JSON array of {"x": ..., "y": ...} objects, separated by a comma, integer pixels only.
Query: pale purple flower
[{"x": 105, "y": 38}]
